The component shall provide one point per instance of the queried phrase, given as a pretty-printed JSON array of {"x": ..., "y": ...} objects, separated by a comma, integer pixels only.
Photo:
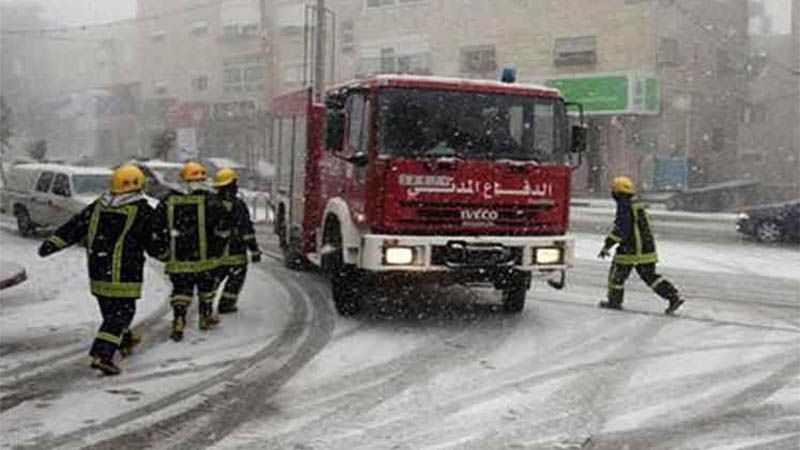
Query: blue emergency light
[{"x": 509, "y": 74}]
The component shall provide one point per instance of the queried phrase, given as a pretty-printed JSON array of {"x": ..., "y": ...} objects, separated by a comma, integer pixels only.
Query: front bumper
[{"x": 429, "y": 253}]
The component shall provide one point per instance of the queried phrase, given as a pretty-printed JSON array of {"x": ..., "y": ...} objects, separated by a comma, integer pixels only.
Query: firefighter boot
[
  {"x": 105, "y": 365},
  {"x": 178, "y": 325},
  {"x": 129, "y": 342},
  {"x": 608, "y": 304},
  {"x": 674, "y": 304},
  {"x": 207, "y": 318}
]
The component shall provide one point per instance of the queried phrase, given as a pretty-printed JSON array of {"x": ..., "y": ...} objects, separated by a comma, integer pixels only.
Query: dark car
[{"x": 771, "y": 223}]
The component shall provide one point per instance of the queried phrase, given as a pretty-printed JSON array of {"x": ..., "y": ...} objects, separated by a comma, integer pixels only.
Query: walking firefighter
[
  {"x": 116, "y": 229},
  {"x": 192, "y": 229},
  {"x": 635, "y": 249},
  {"x": 233, "y": 264}
]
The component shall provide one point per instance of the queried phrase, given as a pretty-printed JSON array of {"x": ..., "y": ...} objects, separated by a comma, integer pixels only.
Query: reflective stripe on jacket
[
  {"x": 632, "y": 234},
  {"x": 116, "y": 235}
]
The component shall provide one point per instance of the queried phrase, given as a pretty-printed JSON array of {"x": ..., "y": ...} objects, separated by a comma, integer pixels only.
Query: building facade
[{"x": 203, "y": 72}]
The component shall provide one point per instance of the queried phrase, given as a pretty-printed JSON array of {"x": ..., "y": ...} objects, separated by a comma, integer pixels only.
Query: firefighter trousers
[
  {"x": 183, "y": 288},
  {"x": 117, "y": 317},
  {"x": 647, "y": 272},
  {"x": 232, "y": 278}
]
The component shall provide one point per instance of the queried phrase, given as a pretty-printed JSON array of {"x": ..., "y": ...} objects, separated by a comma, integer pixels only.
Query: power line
[{"x": 114, "y": 23}]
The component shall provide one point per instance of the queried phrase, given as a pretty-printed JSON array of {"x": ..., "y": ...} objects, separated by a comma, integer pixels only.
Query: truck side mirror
[
  {"x": 578, "y": 142},
  {"x": 334, "y": 130},
  {"x": 359, "y": 159}
]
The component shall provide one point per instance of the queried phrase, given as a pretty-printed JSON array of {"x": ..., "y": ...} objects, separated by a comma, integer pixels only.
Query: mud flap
[{"x": 562, "y": 281}]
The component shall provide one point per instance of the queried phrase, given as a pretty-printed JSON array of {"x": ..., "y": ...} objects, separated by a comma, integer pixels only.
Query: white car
[{"x": 47, "y": 195}]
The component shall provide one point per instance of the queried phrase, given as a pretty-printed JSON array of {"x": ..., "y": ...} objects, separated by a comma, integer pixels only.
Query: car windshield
[
  {"x": 89, "y": 184},
  {"x": 423, "y": 122}
]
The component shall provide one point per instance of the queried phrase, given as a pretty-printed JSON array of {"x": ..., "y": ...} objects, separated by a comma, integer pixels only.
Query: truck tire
[
  {"x": 514, "y": 293},
  {"x": 346, "y": 288},
  {"x": 24, "y": 223},
  {"x": 347, "y": 292}
]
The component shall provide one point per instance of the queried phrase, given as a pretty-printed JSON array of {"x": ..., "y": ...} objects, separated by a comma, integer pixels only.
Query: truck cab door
[{"x": 356, "y": 149}]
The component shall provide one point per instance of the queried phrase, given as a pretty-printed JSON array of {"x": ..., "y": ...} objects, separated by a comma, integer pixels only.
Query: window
[
  {"x": 199, "y": 28},
  {"x": 61, "y": 185},
  {"x": 157, "y": 36},
  {"x": 348, "y": 36},
  {"x": 357, "y": 124},
  {"x": 45, "y": 179},
  {"x": 754, "y": 113},
  {"x": 479, "y": 60},
  {"x": 241, "y": 74},
  {"x": 383, "y": 3},
  {"x": 574, "y": 51},
  {"x": 724, "y": 63},
  {"x": 669, "y": 51},
  {"x": 401, "y": 58},
  {"x": 200, "y": 83},
  {"x": 160, "y": 87}
]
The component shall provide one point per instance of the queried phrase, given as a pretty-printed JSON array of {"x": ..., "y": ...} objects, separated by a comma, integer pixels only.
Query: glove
[
  {"x": 256, "y": 257},
  {"x": 603, "y": 253},
  {"x": 47, "y": 248}
]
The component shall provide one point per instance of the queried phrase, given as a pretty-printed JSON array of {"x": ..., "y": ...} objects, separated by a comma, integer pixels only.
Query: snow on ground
[
  {"x": 563, "y": 372},
  {"x": 56, "y": 301}
]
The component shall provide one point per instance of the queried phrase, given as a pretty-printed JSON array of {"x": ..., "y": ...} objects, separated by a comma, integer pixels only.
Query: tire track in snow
[{"x": 245, "y": 385}]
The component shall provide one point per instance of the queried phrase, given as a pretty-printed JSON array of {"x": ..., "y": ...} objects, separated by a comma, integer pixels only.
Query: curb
[{"x": 14, "y": 280}]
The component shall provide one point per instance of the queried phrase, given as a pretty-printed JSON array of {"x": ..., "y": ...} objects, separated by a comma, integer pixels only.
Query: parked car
[
  {"x": 161, "y": 177},
  {"x": 46, "y": 195},
  {"x": 771, "y": 223}
]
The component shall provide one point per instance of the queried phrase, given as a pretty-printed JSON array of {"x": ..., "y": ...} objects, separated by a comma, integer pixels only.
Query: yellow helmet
[
  {"x": 127, "y": 178},
  {"x": 623, "y": 185},
  {"x": 193, "y": 171},
  {"x": 225, "y": 177}
]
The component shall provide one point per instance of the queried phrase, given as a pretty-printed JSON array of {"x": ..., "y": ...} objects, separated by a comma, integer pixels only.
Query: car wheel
[
  {"x": 768, "y": 231},
  {"x": 24, "y": 223}
]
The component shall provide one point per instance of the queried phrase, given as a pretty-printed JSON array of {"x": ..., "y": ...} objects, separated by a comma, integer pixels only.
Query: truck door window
[
  {"x": 357, "y": 120},
  {"x": 61, "y": 185},
  {"x": 45, "y": 180}
]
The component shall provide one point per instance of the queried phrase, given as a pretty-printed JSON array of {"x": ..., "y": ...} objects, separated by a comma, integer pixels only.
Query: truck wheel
[
  {"x": 514, "y": 292},
  {"x": 514, "y": 299},
  {"x": 24, "y": 224},
  {"x": 347, "y": 292}
]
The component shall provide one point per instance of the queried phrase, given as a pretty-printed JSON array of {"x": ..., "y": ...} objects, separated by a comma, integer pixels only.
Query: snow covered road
[{"x": 433, "y": 368}]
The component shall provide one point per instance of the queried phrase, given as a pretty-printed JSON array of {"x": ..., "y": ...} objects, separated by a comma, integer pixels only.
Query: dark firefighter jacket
[
  {"x": 191, "y": 231},
  {"x": 243, "y": 236},
  {"x": 117, "y": 232},
  {"x": 632, "y": 233}
]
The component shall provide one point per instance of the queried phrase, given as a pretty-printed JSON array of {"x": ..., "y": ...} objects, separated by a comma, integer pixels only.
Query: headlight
[
  {"x": 398, "y": 256},
  {"x": 547, "y": 255},
  {"x": 742, "y": 216}
]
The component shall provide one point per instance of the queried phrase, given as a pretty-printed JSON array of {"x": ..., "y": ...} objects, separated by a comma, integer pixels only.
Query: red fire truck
[{"x": 424, "y": 178}]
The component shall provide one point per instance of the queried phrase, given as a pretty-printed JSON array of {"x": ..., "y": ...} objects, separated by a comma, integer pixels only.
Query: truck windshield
[
  {"x": 469, "y": 125},
  {"x": 90, "y": 184}
]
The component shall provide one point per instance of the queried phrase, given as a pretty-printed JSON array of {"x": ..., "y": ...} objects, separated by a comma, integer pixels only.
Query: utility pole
[
  {"x": 319, "y": 56},
  {"x": 267, "y": 52}
]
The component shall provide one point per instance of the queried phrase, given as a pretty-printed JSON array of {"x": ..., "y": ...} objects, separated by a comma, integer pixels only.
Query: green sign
[{"x": 611, "y": 94}]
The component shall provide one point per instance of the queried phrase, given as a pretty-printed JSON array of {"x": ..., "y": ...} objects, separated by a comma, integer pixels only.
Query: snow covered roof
[
  {"x": 71, "y": 170},
  {"x": 225, "y": 162},
  {"x": 160, "y": 164}
]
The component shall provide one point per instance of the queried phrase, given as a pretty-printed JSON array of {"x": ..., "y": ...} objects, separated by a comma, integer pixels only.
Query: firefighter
[
  {"x": 636, "y": 249},
  {"x": 116, "y": 229},
  {"x": 191, "y": 229},
  {"x": 233, "y": 264}
]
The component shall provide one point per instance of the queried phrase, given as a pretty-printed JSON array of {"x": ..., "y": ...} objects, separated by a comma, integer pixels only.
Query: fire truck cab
[{"x": 424, "y": 178}]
